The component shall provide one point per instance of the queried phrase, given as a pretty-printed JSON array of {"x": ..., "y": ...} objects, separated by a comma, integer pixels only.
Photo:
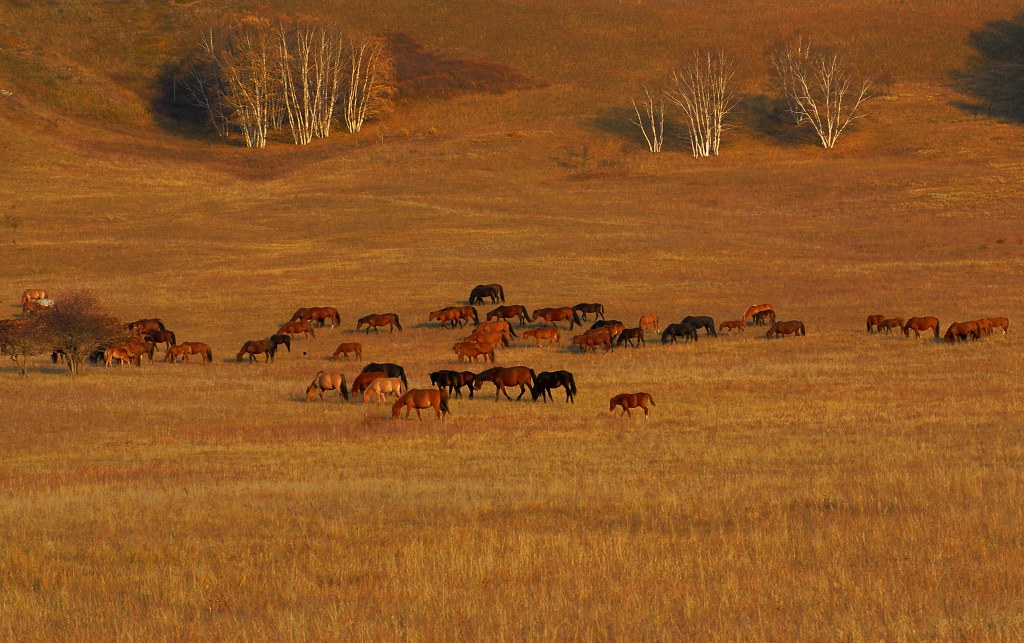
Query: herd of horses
[{"x": 378, "y": 380}]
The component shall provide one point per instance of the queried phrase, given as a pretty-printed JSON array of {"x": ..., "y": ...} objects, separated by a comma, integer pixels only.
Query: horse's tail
[
  {"x": 401, "y": 375},
  {"x": 336, "y": 317},
  {"x": 572, "y": 383},
  {"x": 803, "y": 330},
  {"x": 575, "y": 317},
  {"x": 512, "y": 331},
  {"x": 501, "y": 293},
  {"x": 398, "y": 323},
  {"x": 443, "y": 404},
  {"x": 476, "y": 316},
  {"x": 650, "y": 398},
  {"x": 209, "y": 354},
  {"x": 533, "y": 376},
  {"x": 174, "y": 340},
  {"x": 937, "y": 328},
  {"x": 600, "y": 307},
  {"x": 160, "y": 324},
  {"x": 344, "y": 387}
]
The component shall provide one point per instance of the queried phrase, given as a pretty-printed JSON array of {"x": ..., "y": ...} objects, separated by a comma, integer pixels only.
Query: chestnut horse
[
  {"x": 379, "y": 320},
  {"x": 1000, "y": 322},
  {"x": 327, "y": 381},
  {"x": 962, "y": 331},
  {"x": 491, "y": 326},
  {"x": 584, "y": 309},
  {"x": 256, "y": 347},
  {"x": 453, "y": 381},
  {"x": 200, "y": 349},
  {"x": 297, "y": 328},
  {"x": 321, "y": 315},
  {"x": 614, "y": 326},
  {"x": 348, "y": 347},
  {"x": 886, "y": 325},
  {"x": 538, "y": 334},
  {"x": 390, "y": 369},
  {"x": 592, "y": 339},
  {"x": 422, "y": 398},
  {"x": 509, "y": 312},
  {"x": 32, "y": 294},
  {"x": 552, "y": 315},
  {"x": 122, "y": 354},
  {"x": 506, "y": 376},
  {"x": 143, "y": 326},
  {"x": 648, "y": 321},
  {"x": 449, "y": 315},
  {"x": 733, "y": 325},
  {"x": 755, "y": 309},
  {"x": 162, "y": 337},
  {"x": 780, "y": 329},
  {"x": 631, "y": 401},
  {"x": 918, "y": 324},
  {"x": 363, "y": 380},
  {"x": 548, "y": 380},
  {"x": 174, "y": 352},
  {"x": 473, "y": 351},
  {"x": 381, "y": 387},
  {"x": 631, "y": 337},
  {"x": 494, "y": 291},
  {"x": 874, "y": 321}
]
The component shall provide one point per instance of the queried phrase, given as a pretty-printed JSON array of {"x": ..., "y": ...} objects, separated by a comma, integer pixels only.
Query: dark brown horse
[
  {"x": 379, "y": 320},
  {"x": 552, "y": 315},
  {"x": 874, "y": 321},
  {"x": 327, "y": 381},
  {"x": 422, "y": 398},
  {"x": 755, "y": 309},
  {"x": 920, "y": 324},
  {"x": 158, "y": 337},
  {"x": 348, "y": 347},
  {"x": 687, "y": 332},
  {"x": 515, "y": 311},
  {"x": 631, "y": 401},
  {"x": 597, "y": 310},
  {"x": 297, "y": 328},
  {"x": 546, "y": 381},
  {"x": 962, "y": 331},
  {"x": 256, "y": 347},
  {"x": 631, "y": 337},
  {"x": 506, "y": 376},
  {"x": 764, "y": 317},
  {"x": 782, "y": 328},
  {"x": 143, "y": 326},
  {"x": 388, "y": 368},
  {"x": 701, "y": 321},
  {"x": 282, "y": 339},
  {"x": 453, "y": 381},
  {"x": 494, "y": 291},
  {"x": 886, "y": 325}
]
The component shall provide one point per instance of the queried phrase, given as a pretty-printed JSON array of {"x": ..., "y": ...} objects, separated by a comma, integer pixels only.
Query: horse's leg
[
  {"x": 418, "y": 414},
  {"x": 522, "y": 391},
  {"x": 505, "y": 392},
  {"x": 644, "y": 407}
]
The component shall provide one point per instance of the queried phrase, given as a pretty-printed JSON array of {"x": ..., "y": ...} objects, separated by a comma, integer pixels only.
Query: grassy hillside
[{"x": 838, "y": 485}]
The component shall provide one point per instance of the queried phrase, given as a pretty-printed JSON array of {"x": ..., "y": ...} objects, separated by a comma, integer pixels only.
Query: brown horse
[
  {"x": 322, "y": 315},
  {"x": 199, "y": 348},
  {"x": 780, "y": 329},
  {"x": 764, "y": 318},
  {"x": 506, "y": 376},
  {"x": 500, "y": 325},
  {"x": 327, "y": 381},
  {"x": 631, "y": 401},
  {"x": 363, "y": 380},
  {"x": 381, "y": 387},
  {"x": 597, "y": 310},
  {"x": 733, "y": 325},
  {"x": 984, "y": 326},
  {"x": 516, "y": 311},
  {"x": 886, "y": 325},
  {"x": 472, "y": 351},
  {"x": 122, "y": 354},
  {"x": 631, "y": 337},
  {"x": 256, "y": 347},
  {"x": 874, "y": 321},
  {"x": 162, "y": 337},
  {"x": 592, "y": 339},
  {"x": 1000, "y": 322},
  {"x": 33, "y": 306},
  {"x": 552, "y": 315},
  {"x": 489, "y": 338},
  {"x": 449, "y": 315},
  {"x": 753, "y": 310},
  {"x": 919, "y": 324},
  {"x": 143, "y": 326},
  {"x": 962, "y": 331},
  {"x": 494, "y": 291},
  {"x": 348, "y": 347},
  {"x": 422, "y": 398},
  {"x": 32, "y": 294},
  {"x": 297, "y": 328},
  {"x": 649, "y": 321},
  {"x": 538, "y": 334},
  {"x": 379, "y": 320},
  {"x": 176, "y": 351}
]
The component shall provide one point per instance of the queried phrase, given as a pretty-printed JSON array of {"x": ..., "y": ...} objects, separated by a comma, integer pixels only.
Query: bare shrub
[
  {"x": 75, "y": 325},
  {"x": 21, "y": 339}
]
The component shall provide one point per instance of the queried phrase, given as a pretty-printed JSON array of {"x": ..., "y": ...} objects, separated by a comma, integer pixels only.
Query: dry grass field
[{"x": 837, "y": 486}]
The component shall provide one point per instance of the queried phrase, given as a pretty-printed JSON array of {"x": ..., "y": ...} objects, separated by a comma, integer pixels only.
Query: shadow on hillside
[
  {"x": 766, "y": 117},
  {"x": 620, "y": 122},
  {"x": 173, "y": 111},
  {"x": 993, "y": 80}
]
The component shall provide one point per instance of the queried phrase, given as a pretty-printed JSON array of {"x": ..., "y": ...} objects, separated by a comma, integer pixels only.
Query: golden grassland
[{"x": 835, "y": 486}]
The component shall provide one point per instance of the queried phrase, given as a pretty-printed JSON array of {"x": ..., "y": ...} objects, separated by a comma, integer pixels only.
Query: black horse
[
  {"x": 764, "y": 318},
  {"x": 548, "y": 380},
  {"x": 494, "y": 291},
  {"x": 453, "y": 381},
  {"x": 686, "y": 331},
  {"x": 584, "y": 309},
  {"x": 389, "y": 369},
  {"x": 282, "y": 339},
  {"x": 701, "y": 321},
  {"x": 601, "y": 323}
]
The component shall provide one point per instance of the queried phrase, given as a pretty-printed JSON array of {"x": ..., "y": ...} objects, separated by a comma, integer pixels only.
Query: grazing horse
[
  {"x": 686, "y": 331},
  {"x": 348, "y": 347},
  {"x": 388, "y": 368},
  {"x": 327, "y": 381},
  {"x": 918, "y": 324},
  {"x": 874, "y": 321},
  {"x": 962, "y": 331},
  {"x": 33, "y": 306},
  {"x": 509, "y": 312},
  {"x": 780, "y": 329},
  {"x": 614, "y": 326},
  {"x": 631, "y": 401},
  {"x": 256, "y": 347},
  {"x": 495, "y": 338},
  {"x": 764, "y": 318},
  {"x": 492, "y": 326},
  {"x": 143, "y": 326},
  {"x": 755, "y": 309},
  {"x": 592, "y": 339},
  {"x": 984, "y": 326},
  {"x": 506, "y": 376},
  {"x": 733, "y": 325},
  {"x": 302, "y": 314},
  {"x": 548, "y": 380},
  {"x": 453, "y": 381},
  {"x": 538, "y": 334},
  {"x": 282, "y": 339},
  {"x": 422, "y": 398},
  {"x": 886, "y": 325},
  {"x": 630, "y": 335},
  {"x": 363, "y": 381},
  {"x": 584, "y": 309},
  {"x": 297, "y": 328},
  {"x": 382, "y": 386},
  {"x": 176, "y": 351},
  {"x": 449, "y": 315},
  {"x": 199, "y": 348},
  {"x": 32, "y": 294},
  {"x": 552, "y": 315},
  {"x": 122, "y": 354},
  {"x": 468, "y": 312},
  {"x": 162, "y": 337},
  {"x": 379, "y": 320},
  {"x": 323, "y": 314},
  {"x": 701, "y": 321},
  {"x": 1000, "y": 322},
  {"x": 473, "y": 351},
  {"x": 494, "y": 291},
  {"x": 649, "y": 321}
]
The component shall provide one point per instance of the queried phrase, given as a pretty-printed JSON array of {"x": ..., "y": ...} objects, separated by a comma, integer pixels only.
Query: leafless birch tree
[
  {"x": 311, "y": 67},
  {"x": 702, "y": 90},
  {"x": 819, "y": 89},
  {"x": 249, "y": 79},
  {"x": 371, "y": 82},
  {"x": 651, "y": 120}
]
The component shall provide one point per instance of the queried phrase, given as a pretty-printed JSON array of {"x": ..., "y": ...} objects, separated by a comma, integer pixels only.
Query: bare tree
[
  {"x": 249, "y": 79},
  {"x": 21, "y": 339},
  {"x": 311, "y": 68},
  {"x": 651, "y": 121},
  {"x": 75, "y": 325},
  {"x": 371, "y": 82},
  {"x": 819, "y": 89},
  {"x": 702, "y": 90}
]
